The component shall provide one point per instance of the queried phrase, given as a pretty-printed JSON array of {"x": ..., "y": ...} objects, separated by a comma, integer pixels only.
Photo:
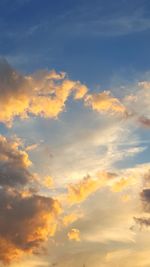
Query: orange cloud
[
  {"x": 80, "y": 191},
  {"x": 25, "y": 223},
  {"x": 41, "y": 94},
  {"x": 74, "y": 234},
  {"x": 48, "y": 182},
  {"x": 8, "y": 251},
  {"x": 121, "y": 184},
  {"x": 104, "y": 102},
  {"x": 27, "y": 219},
  {"x": 70, "y": 218},
  {"x": 14, "y": 163}
]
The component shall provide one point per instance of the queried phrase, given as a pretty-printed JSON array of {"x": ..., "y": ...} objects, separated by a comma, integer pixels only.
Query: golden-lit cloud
[
  {"x": 48, "y": 181},
  {"x": 70, "y": 218},
  {"x": 104, "y": 102},
  {"x": 33, "y": 212},
  {"x": 25, "y": 223},
  {"x": 74, "y": 234},
  {"x": 14, "y": 163},
  {"x": 80, "y": 191},
  {"x": 121, "y": 184},
  {"x": 41, "y": 94},
  {"x": 26, "y": 218}
]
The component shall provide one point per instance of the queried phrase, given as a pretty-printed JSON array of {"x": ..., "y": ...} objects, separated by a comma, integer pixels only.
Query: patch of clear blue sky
[{"x": 92, "y": 40}]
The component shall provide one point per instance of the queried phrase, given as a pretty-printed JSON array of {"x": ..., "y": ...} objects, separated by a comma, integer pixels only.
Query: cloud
[
  {"x": 48, "y": 182},
  {"x": 25, "y": 222},
  {"x": 31, "y": 147},
  {"x": 70, "y": 218},
  {"x": 121, "y": 184},
  {"x": 83, "y": 189},
  {"x": 83, "y": 143},
  {"x": 45, "y": 93},
  {"x": 41, "y": 94},
  {"x": 145, "y": 197},
  {"x": 137, "y": 109},
  {"x": 74, "y": 234},
  {"x": 14, "y": 164},
  {"x": 130, "y": 107},
  {"x": 142, "y": 221},
  {"x": 104, "y": 102},
  {"x": 144, "y": 121},
  {"x": 26, "y": 217}
]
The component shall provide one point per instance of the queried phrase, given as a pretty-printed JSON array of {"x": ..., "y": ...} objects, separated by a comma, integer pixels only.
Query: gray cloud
[
  {"x": 14, "y": 164},
  {"x": 26, "y": 218},
  {"x": 143, "y": 221}
]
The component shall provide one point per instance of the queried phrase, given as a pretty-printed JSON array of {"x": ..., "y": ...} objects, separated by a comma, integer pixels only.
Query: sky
[{"x": 74, "y": 133}]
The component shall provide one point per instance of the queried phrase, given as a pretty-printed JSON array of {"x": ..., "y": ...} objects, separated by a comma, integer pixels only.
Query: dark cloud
[
  {"x": 145, "y": 198},
  {"x": 144, "y": 121},
  {"x": 14, "y": 164},
  {"x": 142, "y": 221},
  {"x": 145, "y": 195},
  {"x": 26, "y": 218}
]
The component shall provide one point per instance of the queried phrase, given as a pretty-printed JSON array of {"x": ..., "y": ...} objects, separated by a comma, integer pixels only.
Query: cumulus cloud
[
  {"x": 24, "y": 223},
  {"x": 26, "y": 217},
  {"x": 45, "y": 93},
  {"x": 14, "y": 163},
  {"x": 41, "y": 94},
  {"x": 128, "y": 107}
]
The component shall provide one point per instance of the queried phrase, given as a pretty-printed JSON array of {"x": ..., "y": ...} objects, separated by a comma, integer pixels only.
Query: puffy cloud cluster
[
  {"x": 25, "y": 222},
  {"x": 41, "y": 94},
  {"x": 45, "y": 93},
  {"x": 130, "y": 106},
  {"x": 14, "y": 163},
  {"x": 26, "y": 218}
]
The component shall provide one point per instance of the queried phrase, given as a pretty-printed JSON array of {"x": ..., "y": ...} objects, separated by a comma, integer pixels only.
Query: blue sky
[{"x": 91, "y": 40}]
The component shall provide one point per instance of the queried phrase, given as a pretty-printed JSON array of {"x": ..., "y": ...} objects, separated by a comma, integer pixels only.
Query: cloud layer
[{"x": 76, "y": 184}]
